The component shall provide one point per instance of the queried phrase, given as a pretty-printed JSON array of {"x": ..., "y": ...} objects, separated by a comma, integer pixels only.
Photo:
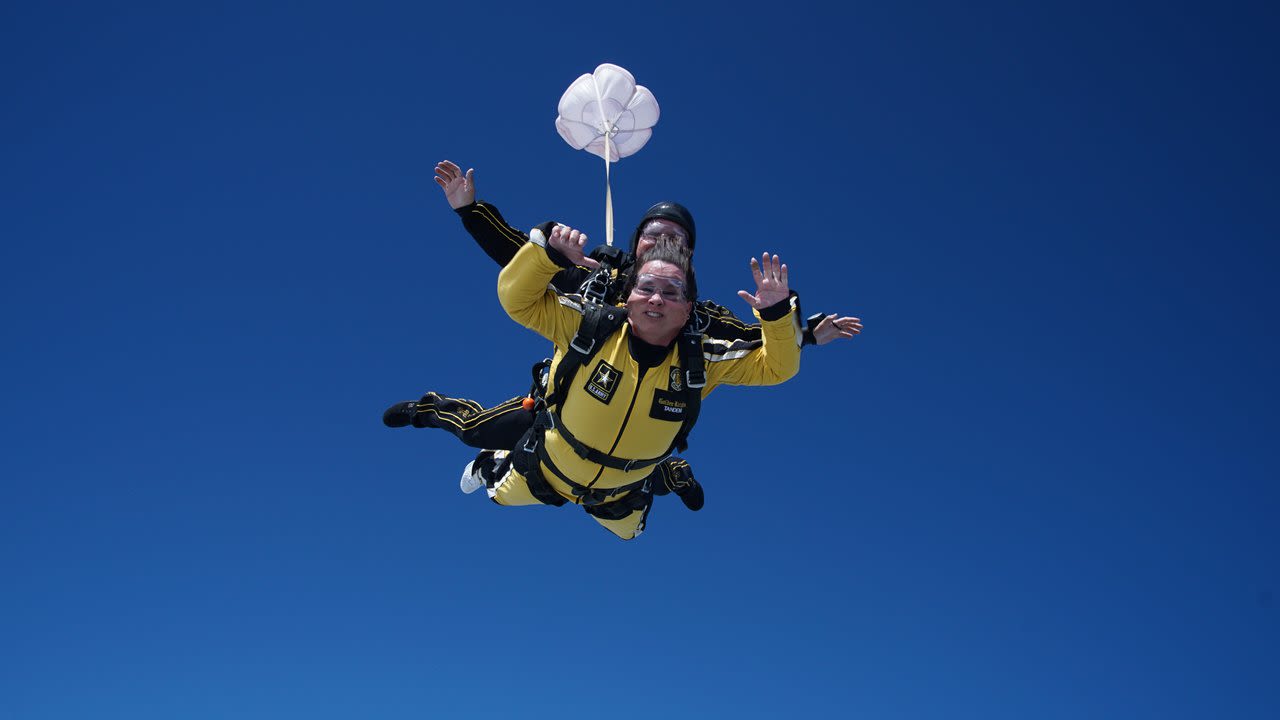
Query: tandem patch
[
  {"x": 668, "y": 406},
  {"x": 602, "y": 383}
]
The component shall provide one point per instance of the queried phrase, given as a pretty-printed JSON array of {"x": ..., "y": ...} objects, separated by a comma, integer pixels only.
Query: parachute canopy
[{"x": 607, "y": 114}]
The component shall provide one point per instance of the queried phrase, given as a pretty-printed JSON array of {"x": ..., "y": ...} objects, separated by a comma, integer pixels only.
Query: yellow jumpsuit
[{"x": 611, "y": 405}]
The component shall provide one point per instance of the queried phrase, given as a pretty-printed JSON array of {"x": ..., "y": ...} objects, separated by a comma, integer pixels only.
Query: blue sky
[{"x": 1040, "y": 485}]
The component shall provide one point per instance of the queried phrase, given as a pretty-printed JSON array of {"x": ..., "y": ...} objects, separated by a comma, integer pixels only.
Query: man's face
[
  {"x": 656, "y": 228},
  {"x": 658, "y": 304}
]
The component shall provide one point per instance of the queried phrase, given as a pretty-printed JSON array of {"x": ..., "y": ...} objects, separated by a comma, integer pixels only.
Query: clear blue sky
[{"x": 1042, "y": 484}]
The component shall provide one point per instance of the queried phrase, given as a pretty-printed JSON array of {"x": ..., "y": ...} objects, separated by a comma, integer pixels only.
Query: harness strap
[
  {"x": 524, "y": 458},
  {"x": 598, "y": 323},
  {"x": 586, "y": 452},
  {"x": 539, "y": 371},
  {"x": 588, "y": 495},
  {"x": 695, "y": 378},
  {"x": 622, "y": 507},
  {"x": 530, "y": 456}
]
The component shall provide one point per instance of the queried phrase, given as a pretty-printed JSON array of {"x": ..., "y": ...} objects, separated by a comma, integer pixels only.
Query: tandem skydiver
[
  {"x": 500, "y": 426},
  {"x": 626, "y": 383}
]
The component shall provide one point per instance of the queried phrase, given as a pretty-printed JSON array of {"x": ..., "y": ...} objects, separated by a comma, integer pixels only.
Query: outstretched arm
[
  {"x": 776, "y": 356},
  {"x": 482, "y": 221},
  {"x": 771, "y": 279},
  {"x": 497, "y": 238}
]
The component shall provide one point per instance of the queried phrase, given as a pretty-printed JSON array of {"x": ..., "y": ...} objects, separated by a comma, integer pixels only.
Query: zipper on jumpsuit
[{"x": 626, "y": 418}]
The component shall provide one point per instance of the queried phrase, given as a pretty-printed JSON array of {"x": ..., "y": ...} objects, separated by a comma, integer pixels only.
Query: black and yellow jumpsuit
[
  {"x": 498, "y": 427},
  {"x": 615, "y": 404}
]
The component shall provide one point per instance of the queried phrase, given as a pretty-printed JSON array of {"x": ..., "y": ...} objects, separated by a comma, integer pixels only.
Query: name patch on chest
[
  {"x": 602, "y": 383},
  {"x": 668, "y": 406}
]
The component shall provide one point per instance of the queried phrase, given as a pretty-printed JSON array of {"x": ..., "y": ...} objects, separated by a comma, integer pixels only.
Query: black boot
[
  {"x": 417, "y": 414},
  {"x": 691, "y": 494},
  {"x": 400, "y": 414},
  {"x": 677, "y": 477}
]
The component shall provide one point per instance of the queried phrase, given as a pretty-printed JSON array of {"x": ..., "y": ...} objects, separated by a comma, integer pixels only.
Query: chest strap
[
  {"x": 585, "y": 494},
  {"x": 590, "y": 454}
]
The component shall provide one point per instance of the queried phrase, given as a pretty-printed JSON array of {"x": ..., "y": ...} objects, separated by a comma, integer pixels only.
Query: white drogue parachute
[{"x": 607, "y": 114}]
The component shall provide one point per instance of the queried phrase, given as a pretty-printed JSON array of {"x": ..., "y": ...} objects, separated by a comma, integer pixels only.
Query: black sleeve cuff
[
  {"x": 778, "y": 310},
  {"x": 558, "y": 258},
  {"x": 811, "y": 326}
]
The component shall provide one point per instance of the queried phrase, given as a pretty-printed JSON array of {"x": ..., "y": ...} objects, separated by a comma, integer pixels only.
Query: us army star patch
[{"x": 603, "y": 382}]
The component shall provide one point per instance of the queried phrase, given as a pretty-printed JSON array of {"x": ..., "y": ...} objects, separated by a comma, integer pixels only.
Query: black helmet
[{"x": 673, "y": 211}]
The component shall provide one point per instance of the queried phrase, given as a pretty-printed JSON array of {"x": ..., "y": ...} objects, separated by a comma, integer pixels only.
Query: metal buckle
[
  {"x": 593, "y": 289},
  {"x": 585, "y": 351},
  {"x": 701, "y": 380}
]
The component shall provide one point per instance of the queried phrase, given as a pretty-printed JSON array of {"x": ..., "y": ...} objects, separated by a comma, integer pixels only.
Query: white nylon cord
[{"x": 608, "y": 196}]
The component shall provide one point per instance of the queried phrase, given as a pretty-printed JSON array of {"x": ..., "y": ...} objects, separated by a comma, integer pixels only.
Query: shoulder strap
[
  {"x": 598, "y": 323},
  {"x": 695, "y": 378}
]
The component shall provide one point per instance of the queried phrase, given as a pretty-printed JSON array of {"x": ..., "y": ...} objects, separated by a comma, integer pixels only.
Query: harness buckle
[
  {"x": 596, "y": 286},
  {"x": 589, "y": 496},
  {"x": 695, "y": 378},
  {"x": 585, "y": 351},
  {"x": 594, "y": 289}
]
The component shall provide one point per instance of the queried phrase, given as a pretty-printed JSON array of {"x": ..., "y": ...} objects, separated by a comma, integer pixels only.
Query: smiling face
[{"x": 658, "y": 306}]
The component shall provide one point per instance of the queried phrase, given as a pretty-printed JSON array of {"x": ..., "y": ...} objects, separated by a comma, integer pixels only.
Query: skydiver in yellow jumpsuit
[{"x": 624, "y": 402}]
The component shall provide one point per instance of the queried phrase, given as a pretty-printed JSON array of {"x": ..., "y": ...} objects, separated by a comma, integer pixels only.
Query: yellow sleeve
[
  {"x": 772, "y": 360},
  {"x": 524, "y": 293}
]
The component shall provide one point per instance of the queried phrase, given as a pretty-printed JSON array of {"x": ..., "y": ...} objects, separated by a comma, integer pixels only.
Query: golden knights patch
[
  {"x": 602, "y": 383},
  {"x": 677, "y": 380}
]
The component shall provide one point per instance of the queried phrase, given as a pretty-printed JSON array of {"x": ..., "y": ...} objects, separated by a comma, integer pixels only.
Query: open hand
[
  {"x": 771, "y": 282},
  {"x": 832, "y": 328},
  {"x": 459, "y": 189}
]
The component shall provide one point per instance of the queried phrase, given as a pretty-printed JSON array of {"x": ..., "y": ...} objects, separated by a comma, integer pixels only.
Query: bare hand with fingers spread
[
  {"x": 459, "y": 189},
  {"x": 833, "y": 328},
  {"x": 771, "y": 282}
]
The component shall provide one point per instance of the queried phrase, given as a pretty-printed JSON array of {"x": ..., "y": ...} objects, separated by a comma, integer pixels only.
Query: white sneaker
[
  {"x": 482, "y": 472},
  {"x": 471, "y": 479}
]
